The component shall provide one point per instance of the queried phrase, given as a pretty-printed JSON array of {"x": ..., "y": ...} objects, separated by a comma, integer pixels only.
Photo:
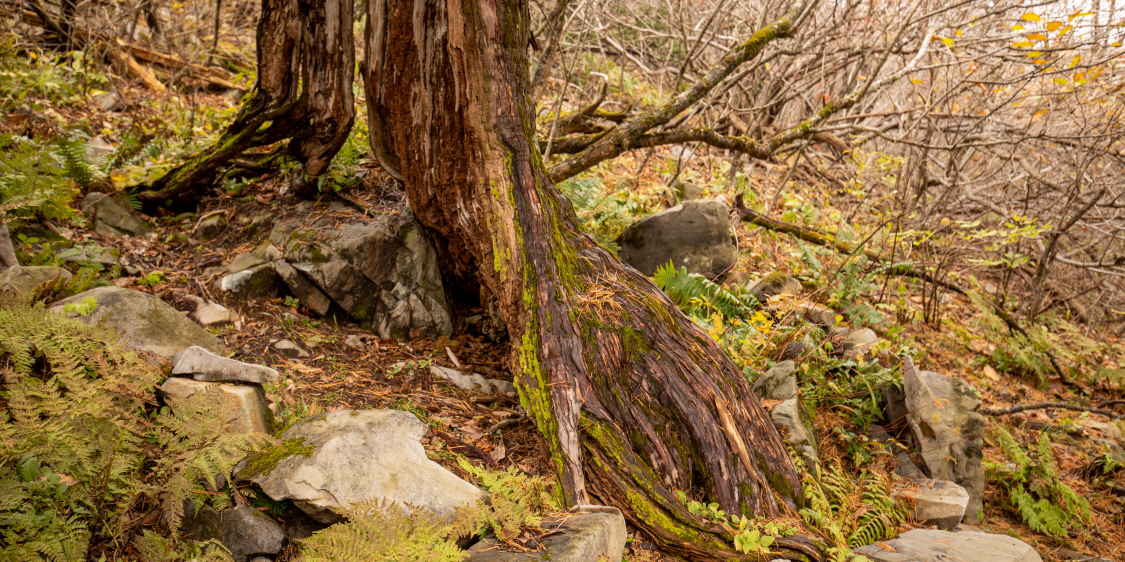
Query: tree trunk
[
  {"x": 633, "y": 400},
  {"x": 306, "y": 68}
]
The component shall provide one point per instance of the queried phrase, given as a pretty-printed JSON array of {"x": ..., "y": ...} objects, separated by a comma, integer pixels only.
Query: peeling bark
[{"x": 633, "y": 400}]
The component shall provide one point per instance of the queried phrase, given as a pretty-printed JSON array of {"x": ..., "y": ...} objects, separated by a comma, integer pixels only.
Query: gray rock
[
  {"x": 773, "y": 284},
  {"x": 256, "y": 282},
  {"x": 310, "y": 296},
  {"x": 22, "y": 279},
  {"x": 819, "y": 315},
  {"x": 96, "y": 254},
  {"x": 146, "y": 322},
  {"x": 590, "y": 534},
  {"x": 244, "y": 261},
  {"x": 245, "y": 405},
  {"x": 261, "y": 559},
  {"x": 99, "y": 149},
  {"x": 793, "y": 351},
  {"x": 383, "y": 272},
  {"x": 472, "y": 382},
  {"x": 203, "y": 365},
  {"x": 859, "y": 342},
  {"x": 259, "y": 223},
  {"x": 249, "y": 533},
  {"x": 109, "y": 217},
  {"x": 934, "y": 502},
  {"x": 109, "y": 101},
  {"x": 695, "y": 235},
  {"x": 906, "y": 467},
  {"x": 944, "y": 422},
  {"x": 355, "y": 342},
  {"x": 211, "y": 227},
  {"x": 269, "y": 252},
  {"x": 289, "y": 348},
  {"x": 778, "y": 383},
  {"x": 360, "y": 455},
  {"x": 212, "y": 314},
  {"x": 201, "y": 525},
  {"x": 796, "y": 429},
  {"x": 299, "y": 526},
  {"x": 928, "y": 545}
]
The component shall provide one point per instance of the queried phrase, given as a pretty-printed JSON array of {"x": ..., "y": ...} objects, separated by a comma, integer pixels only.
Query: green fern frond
[{"x": 685, "y": 289}]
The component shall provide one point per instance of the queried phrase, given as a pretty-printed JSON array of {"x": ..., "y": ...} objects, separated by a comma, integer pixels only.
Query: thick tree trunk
[
  {"x": 632, "y": 398},
  {"x": 306, "y": 68}
]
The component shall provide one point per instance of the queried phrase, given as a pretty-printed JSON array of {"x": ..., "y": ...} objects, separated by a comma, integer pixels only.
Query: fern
[
  {"x": 1037, "y": 495},
  {"x": 691, "y": 290},
  {"x": 78, "y": 448},
  {"x": 515, "y": 501},
  {"x": 32, "y": 183},
  {"x": 850, "y": 513},
  {"x": 378, "y": 530}
]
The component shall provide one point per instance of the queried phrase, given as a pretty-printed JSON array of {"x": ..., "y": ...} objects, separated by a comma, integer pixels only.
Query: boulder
[
  {"x": 934, "y": 502},
  {"x": 347, "y": 456},
  {"x": 773, "y": 284},
  {"x": 942, "y": 412},
  {"x": 382, "y": 272},
  {"x": 22, "y": 279},
  {"x": 588, "y": 534},
  {"x": 928, "y": 545},
  {"x": 695, "y": 235},
  {"x": 109, "y": 217},
  {"x": 472, "y": 382},
  {"x": 857, "y": 343},
  {"x": 248, "y": 533},
  {"x": 203, "y": 365},
  {"x": 145, "y": 322},
  {"x": 245, "y": 405},
  {"x": 301, "y": 287},
  {"x": 778, "y": 383},
  {"x": 795, "y": 427},
  {"x": 256, "y": 282}
]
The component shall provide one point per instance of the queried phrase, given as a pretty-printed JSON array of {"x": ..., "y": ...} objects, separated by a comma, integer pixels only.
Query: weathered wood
[{"x": 632, "y": 399}]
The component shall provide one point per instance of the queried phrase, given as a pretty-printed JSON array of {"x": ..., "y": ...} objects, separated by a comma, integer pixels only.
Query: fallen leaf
[{"x": 499, "y": 452}]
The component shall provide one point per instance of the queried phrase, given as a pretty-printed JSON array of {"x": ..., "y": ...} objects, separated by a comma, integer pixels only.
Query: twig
[
  {"x": 1046, "y": 405},
  {"x": 455, "y": 443}
]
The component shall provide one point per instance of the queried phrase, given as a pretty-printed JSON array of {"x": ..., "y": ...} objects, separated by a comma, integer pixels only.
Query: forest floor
[{"x": 492, "y": 430}]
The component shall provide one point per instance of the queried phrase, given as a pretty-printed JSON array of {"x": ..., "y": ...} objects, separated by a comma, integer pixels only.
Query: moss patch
[{"x": 266, "y": 460}]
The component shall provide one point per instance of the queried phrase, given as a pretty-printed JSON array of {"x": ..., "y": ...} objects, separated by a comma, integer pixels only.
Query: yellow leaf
[
  {"x": 1034, "y": 54},
  {"x": 1018, "y": 27},
  {"x": 1065, "y": 30},
  {"x": 1042, "y": 112},
  {"x": 958, "y": 33},
  {"x": 1074, "y": 61},
  {"x": 1060, "y": 81},
  {"x": 1037, "y": 37},
  {"x": 1053, "y": 25},
  {"x": 1116, "y": 44},
  {"x": 1079, "y": 15},
  {"x": 1040, "y": 61},
  {"x": 946, "y": 40},
  {"x": 1079, "y": 81},
  {"x": 916, "y": 81},
  {"x": 1023, "y": 44},
  {"x": 1030, "y": 16}
]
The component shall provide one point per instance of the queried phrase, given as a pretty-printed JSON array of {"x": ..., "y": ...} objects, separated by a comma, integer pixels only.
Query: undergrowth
[{"x": 1034, "y": 489}]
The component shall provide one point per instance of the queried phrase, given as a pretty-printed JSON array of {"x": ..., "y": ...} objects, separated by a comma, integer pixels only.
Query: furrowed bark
[
  {"x": 632, "y": 399},
  {"x": 306, "y": 66}
]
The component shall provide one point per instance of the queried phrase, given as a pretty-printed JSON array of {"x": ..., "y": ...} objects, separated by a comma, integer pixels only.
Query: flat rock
[
  {"x": 589, "y": 534},
  {"x": 934, "y": 502},
  {"x": 244, "y": 261},
  {"x": 109, "y": 217},
  {"x": 146, "y": 322},
  {"x": 472, "y": 382},
  {"x": 928, "y": 545},
  {"x": 212, "y": 314},
  {"x": 245, "y": 405},
  {"x": 256, "y": 282},
  {"x": 203, "y": 365},
  {"x": 22, "y": 279},
  {"x": 248, "y": 533},
  {"x": 359, "y": 455},
  {"x": 942, "y": 412},
  {"x": 778, "y": 383},
  {"x": 695, "y": 235},
  {"x": 291, "y": 349}
]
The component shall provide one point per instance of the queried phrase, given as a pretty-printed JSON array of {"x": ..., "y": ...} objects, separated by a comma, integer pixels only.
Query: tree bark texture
[
  {"x": 633, "y": 400},
  {"x": 306, "y": 68}
]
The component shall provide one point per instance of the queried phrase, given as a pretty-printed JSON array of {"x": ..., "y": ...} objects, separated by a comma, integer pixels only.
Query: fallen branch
[
  {"x": 455, "y": 443},
  {"x": 1045, "y": 406}
]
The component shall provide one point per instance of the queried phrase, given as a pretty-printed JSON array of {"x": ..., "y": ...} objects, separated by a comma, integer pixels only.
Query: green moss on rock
[{"x": 266, "y": 460}]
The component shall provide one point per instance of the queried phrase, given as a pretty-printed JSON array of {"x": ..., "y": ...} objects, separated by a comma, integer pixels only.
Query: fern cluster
[
  {"x": 378, "y": 530},
  {"x": 1042, "y": 501},
  {"x": 850, "y": 512},
  {"x": 82, "y": 446}
]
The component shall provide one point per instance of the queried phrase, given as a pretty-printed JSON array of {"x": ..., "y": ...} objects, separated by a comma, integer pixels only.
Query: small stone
[
  {"x": 212, "y": 314},
  {"x": 108, "y": 101},
  {"x": 109, "y": 217},
  {"x": 773, "y": 284},
  {"x": 929, "y": 545},
  {"x": 257, "y": 282},
  {"x": 245, "y": 405},
  {"x": 291, "y": 349},
  {"x": 98, "y": 149},
  {"x": 203, "y": 365},
  {"x": 793, "y": 351},
  {"x": 244, "y": 261},
  {"x": 778, "y": 383},
  {"x": 355, "y": 342},
  {"x": 934, "y": 502},
  {"x": 210, "y": 227},
  {"x": 859, "y": 342},
  {"x": 588, "y": 534},
  {"x": 269, "y": 252},
  {"x": 248, "y": 533},
  {"x": 260, "y": 223},
  {"x": 819, "y": 315},
  {"x": 472, "y": 382}
]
